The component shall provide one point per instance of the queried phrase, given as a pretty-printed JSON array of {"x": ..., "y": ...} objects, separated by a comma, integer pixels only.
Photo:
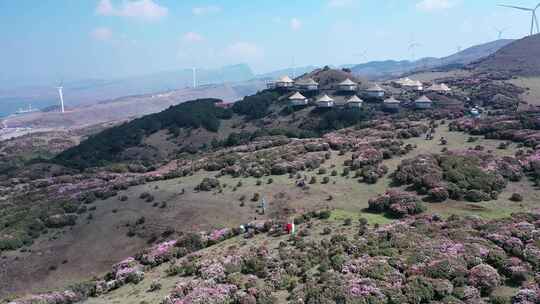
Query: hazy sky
[{"x": 45, "y": 40}]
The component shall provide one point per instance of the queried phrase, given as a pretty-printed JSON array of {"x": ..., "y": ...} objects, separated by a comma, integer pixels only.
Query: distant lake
[{"x": 11, "y": 105}]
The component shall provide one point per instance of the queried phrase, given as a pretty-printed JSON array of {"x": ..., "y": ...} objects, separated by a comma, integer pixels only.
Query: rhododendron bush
[
  {"x": 471, "y": 175},
  {"x": 420, "y": 259}
]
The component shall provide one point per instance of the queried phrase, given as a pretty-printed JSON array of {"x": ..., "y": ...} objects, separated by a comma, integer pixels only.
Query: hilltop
[
  {"x": 519, "y": 58},
  {"x": 268, "y": 112}
]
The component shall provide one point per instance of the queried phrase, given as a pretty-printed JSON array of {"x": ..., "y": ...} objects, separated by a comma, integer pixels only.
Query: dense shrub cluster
[
  {"x": 396, "y": 204},
  {"x": 106, "y": 146},
  {"x": 473, "y": 176},
  {"x": 337, "y": 118},
  {"x": 256, "y": 106}
]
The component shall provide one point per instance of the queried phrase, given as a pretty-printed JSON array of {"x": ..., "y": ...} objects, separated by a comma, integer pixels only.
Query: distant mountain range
[
  {"x": 91, "y": 91},
  {"x": 392, "y": 68},
  {"x": 290, "y": 71},
  {"x": 521, "y": 58}
]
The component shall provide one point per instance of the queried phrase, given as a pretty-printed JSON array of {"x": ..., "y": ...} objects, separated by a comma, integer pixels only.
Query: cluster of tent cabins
[{"x": 325, "y": 101}]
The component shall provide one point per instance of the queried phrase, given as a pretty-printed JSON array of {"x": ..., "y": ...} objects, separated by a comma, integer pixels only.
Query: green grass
[{"x": 341, "y": 215}]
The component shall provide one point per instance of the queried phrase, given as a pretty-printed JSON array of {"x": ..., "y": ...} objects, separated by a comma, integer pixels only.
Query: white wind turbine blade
[{"x": 517, "y": 7}]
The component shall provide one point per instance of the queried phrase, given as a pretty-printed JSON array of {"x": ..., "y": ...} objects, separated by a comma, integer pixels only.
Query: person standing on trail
[
  {"x": 263, "y": 206},
  {"x": 290, "y": 228}
]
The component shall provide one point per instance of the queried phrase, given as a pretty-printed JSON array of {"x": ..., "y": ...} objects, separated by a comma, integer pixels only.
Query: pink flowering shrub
[
  {"x": 201, "y": 292},
  {"x": 363, "y": 288},
  {"x": 159, "y": 254},
  {"x": 212, "y": 270},
  {"x": 220, "y": 235},
  {"x": 66, "y": 297},
  {"x": 526, "y": 296},
  {"x": 485, "y": 278}
]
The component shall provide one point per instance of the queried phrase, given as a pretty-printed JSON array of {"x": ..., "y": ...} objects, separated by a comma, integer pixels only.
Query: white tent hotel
[
  {"x": 410, "y": 84},
  {"x": 391, "y": 103},
  {"x": 284, "y": 82},
  {"x": 298, "y": 99},
  {"x": 375, "y": 91},
  {"x": 348, "y": 85},
  {"x": 325, "y": 102},
  {"x": 307, "y": 85},
  {"x": 439, "y": 88},
  {"x": 423, "y": 103},
  {"x": 354, "y": 102}
]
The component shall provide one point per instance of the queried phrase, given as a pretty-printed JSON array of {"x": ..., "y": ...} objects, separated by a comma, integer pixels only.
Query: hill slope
[
  {"x": 389, "y": 68},
  {"x": 520, "y": 58},
  {"x": 424, "y": 260}
]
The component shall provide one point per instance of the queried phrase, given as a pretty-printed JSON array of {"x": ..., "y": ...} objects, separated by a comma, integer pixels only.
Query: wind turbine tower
[
  {"x": 535, "y": 27},
  {"x": 361, "y": 55},
  {"x": 412, "y": 48},
  {"x": 194, "y": 78},
  {"x": 294, "y": 67},
  {"x": 500, "y": 32},
  {"x": 60, "y": 89}
]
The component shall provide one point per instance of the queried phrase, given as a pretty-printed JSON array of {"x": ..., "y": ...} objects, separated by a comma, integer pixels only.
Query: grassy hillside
[
  {"x": 422, "y": 260},
  {"x": 198, "y": 125},
  {"x": 517, "y": 58},
  {"x": 106, "y": 146}
]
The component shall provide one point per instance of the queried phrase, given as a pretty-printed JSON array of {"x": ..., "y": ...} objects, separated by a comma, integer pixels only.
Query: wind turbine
[
  {"x": 362, "y": 55},
  {"x": 500, "y": 32},
  {"x": 60, "y": 89},
  {"x": 194, "y": 77},
  {"x": 534, "y": 20},
  {"x": 294, "y": 67},
  {"x": 412, "y": 47}
]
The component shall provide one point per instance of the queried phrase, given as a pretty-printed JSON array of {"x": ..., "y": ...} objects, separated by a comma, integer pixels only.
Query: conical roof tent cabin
[
  {"x": 298, "y": 99},
  {"x": 348, "y": 85}
]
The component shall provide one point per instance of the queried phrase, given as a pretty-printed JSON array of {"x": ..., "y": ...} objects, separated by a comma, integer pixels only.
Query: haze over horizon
[{"x": 47, "y": 41}]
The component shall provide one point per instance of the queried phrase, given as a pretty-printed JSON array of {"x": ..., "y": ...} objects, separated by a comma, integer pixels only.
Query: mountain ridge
[
  {"x": 518, "y": 58},
  {"x": 393, "y": 68}
]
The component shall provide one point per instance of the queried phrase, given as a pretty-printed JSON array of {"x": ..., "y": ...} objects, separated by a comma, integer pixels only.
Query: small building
[
  {"x": 391, "y": 104},
  {"x": 439, "y": 88},
  {"x": 375, "y": 92},
  {"x": 348, "y": 85},
  {"x": 475, "y": 112},
  {"x": 325, "y": 102},
  {"x": 410, "y": 84},
  {"x": 284, "y": 82},
  {"x": 415, "y": 85},
  {"x": 423, "y": 103},
  {"x": 307, "y": 85},
  {"x": 355, "y": 102},
  {"x": 298, "y": 99}
]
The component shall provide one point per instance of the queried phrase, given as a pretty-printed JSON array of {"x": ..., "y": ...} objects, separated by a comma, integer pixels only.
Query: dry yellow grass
[{"x": 532, "y": 84}]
